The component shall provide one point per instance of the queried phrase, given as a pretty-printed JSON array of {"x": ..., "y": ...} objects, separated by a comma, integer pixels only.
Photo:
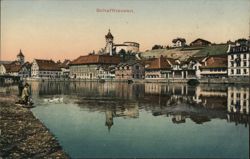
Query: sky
[{"x": 67, "y": 29}]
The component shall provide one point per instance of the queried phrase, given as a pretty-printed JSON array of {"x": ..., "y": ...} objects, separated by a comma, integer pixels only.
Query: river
[{"x": 92, "y": 120}]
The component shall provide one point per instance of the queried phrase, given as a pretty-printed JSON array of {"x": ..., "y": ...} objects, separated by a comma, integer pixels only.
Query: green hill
[
  {"x": 177, "y": 53},
  {"x": 220, "y": 49},
  {"x": 186, "y": 52}
]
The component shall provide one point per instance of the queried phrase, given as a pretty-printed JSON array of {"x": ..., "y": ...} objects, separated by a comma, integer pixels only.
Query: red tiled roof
[
  {"x": 215, "y": 61},
  {"x": 47, "y": 65},
  {"x": 96, "y": 59},
  {"x": 159, "y": 63},
  {"x": 12, "y": 67},
  {"x": 201, "y": 40}
]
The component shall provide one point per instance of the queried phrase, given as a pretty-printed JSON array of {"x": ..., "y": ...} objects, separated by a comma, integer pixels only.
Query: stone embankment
[
  {"x": 24, "y": 136},
  {"x": 245, "y": 80}
]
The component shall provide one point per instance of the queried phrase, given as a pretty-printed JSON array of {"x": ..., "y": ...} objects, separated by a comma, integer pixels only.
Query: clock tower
[{"x": 109, "y": 43}]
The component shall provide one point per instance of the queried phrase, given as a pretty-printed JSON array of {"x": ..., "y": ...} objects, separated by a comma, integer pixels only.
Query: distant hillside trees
[
  {"x": 155, "y": 47},
  {"x": 126, "y": 56}
]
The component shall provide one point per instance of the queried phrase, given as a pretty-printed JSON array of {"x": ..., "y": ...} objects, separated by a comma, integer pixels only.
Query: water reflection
[{"x": 178, "y": 101}]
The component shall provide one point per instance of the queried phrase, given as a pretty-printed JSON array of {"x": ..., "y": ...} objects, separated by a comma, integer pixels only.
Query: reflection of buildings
[
  {"x": 238, "y": 100},
  {"x": 178, "y": 118},
  {"x": 109, "y": 118},
  {"x": 130, "y": 110},
  {"x": 212, "y": 97},
  {"x": 238, "y": 105},
  {"x": 178, "y": 101}
]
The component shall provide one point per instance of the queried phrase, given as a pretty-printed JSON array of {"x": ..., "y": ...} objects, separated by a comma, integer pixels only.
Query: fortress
[{"x": 112, "y": 48}]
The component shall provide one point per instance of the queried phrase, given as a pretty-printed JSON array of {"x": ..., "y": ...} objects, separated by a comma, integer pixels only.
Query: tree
[
  {"x": 122, "y": 53},
  {"x": 155, "y": 47},
  {"x": 101, "y": 51}
]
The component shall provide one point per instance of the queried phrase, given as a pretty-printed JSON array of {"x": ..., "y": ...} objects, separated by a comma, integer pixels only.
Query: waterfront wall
[{"x": 203, "y": 80}]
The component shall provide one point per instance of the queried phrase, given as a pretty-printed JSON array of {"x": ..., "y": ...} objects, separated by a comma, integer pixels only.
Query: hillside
[
  {"x": 185, "y": 53},
  {"x": 176, "y": 53},
  {"x": 220, "y": 49}
]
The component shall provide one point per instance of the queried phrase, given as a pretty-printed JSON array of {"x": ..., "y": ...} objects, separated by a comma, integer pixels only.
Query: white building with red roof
[{"x": 45, "y": 69}]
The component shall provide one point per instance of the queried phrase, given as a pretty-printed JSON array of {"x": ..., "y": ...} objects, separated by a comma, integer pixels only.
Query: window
[
  {"x": 244, "y": 63},
  {"x": 127, "y": 67},
  {"x": 244, "y": 56},
  {"x": 238, "y": 95},
  {"x": 232, "y": 95},
  {"x": 238, "y": 63},
  {"x": 232, "y": 64},
  {"x": 244, "y": 103},
  {"x": 245, "y": 71},
  {"x": 237, "y": 103},
  {"x": 238, "y": 71},
  {"x": 137, "y": 67},
  {"x": 245, "y": 96},
  {"x": 232, "y": 72},
  {"x": 232, "y": 57}
]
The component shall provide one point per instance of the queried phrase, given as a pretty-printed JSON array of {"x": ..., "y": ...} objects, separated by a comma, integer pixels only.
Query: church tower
[
  {"x": 109, "y": 43},
  {"x": 20, "y": 57}
]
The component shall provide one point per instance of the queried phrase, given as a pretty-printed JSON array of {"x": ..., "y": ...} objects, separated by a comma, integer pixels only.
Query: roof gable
[
  {"x": 96, "y": 59},
  {"x": 47, "y": 65},
  {"x": 160, "y": 63}
]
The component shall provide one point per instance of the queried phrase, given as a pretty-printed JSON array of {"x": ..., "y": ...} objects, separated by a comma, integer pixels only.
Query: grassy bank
[{"x": 24, "y": 136}]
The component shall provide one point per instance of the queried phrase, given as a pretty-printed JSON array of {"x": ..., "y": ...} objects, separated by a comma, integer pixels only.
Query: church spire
[
  {"x": 109, "y": 35},
  {"x": 20, "y": 53}
]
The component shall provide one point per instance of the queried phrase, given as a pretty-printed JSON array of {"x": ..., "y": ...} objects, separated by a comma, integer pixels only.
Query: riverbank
[
  {"x": 159, "y": 80},
  {"x": 24, "y": 136}
]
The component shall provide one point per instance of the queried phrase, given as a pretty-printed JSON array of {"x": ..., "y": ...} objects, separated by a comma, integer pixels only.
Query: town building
[
  {"x": 87, "y": 67},
  {"x": 20, "y": 57},
  {"x": 106, "y": 72},
  {"x": 130, "y": 70},
  {"x": 15, "y": 69},
  {"x": 111, "y": 48},
  {"x": 239, "y": 59},
  {"x": 158, "y": 68},
  {"x": 45, "y": 69},
  {"x": 109, "y": 43},
  {"x": 131, "y": 47},
  {"x": 200, "y": 42},
  {"x": 179, "y": 42},
  {"x": 64, "y": 66},
  {"x": 169, "y": 68},
  {"x": 212, "y": 67}
]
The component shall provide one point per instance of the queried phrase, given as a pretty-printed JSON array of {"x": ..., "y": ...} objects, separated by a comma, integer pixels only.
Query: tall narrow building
[
  {"x": 109, "y": 43},
  {"x": 20, "y": 57}
]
